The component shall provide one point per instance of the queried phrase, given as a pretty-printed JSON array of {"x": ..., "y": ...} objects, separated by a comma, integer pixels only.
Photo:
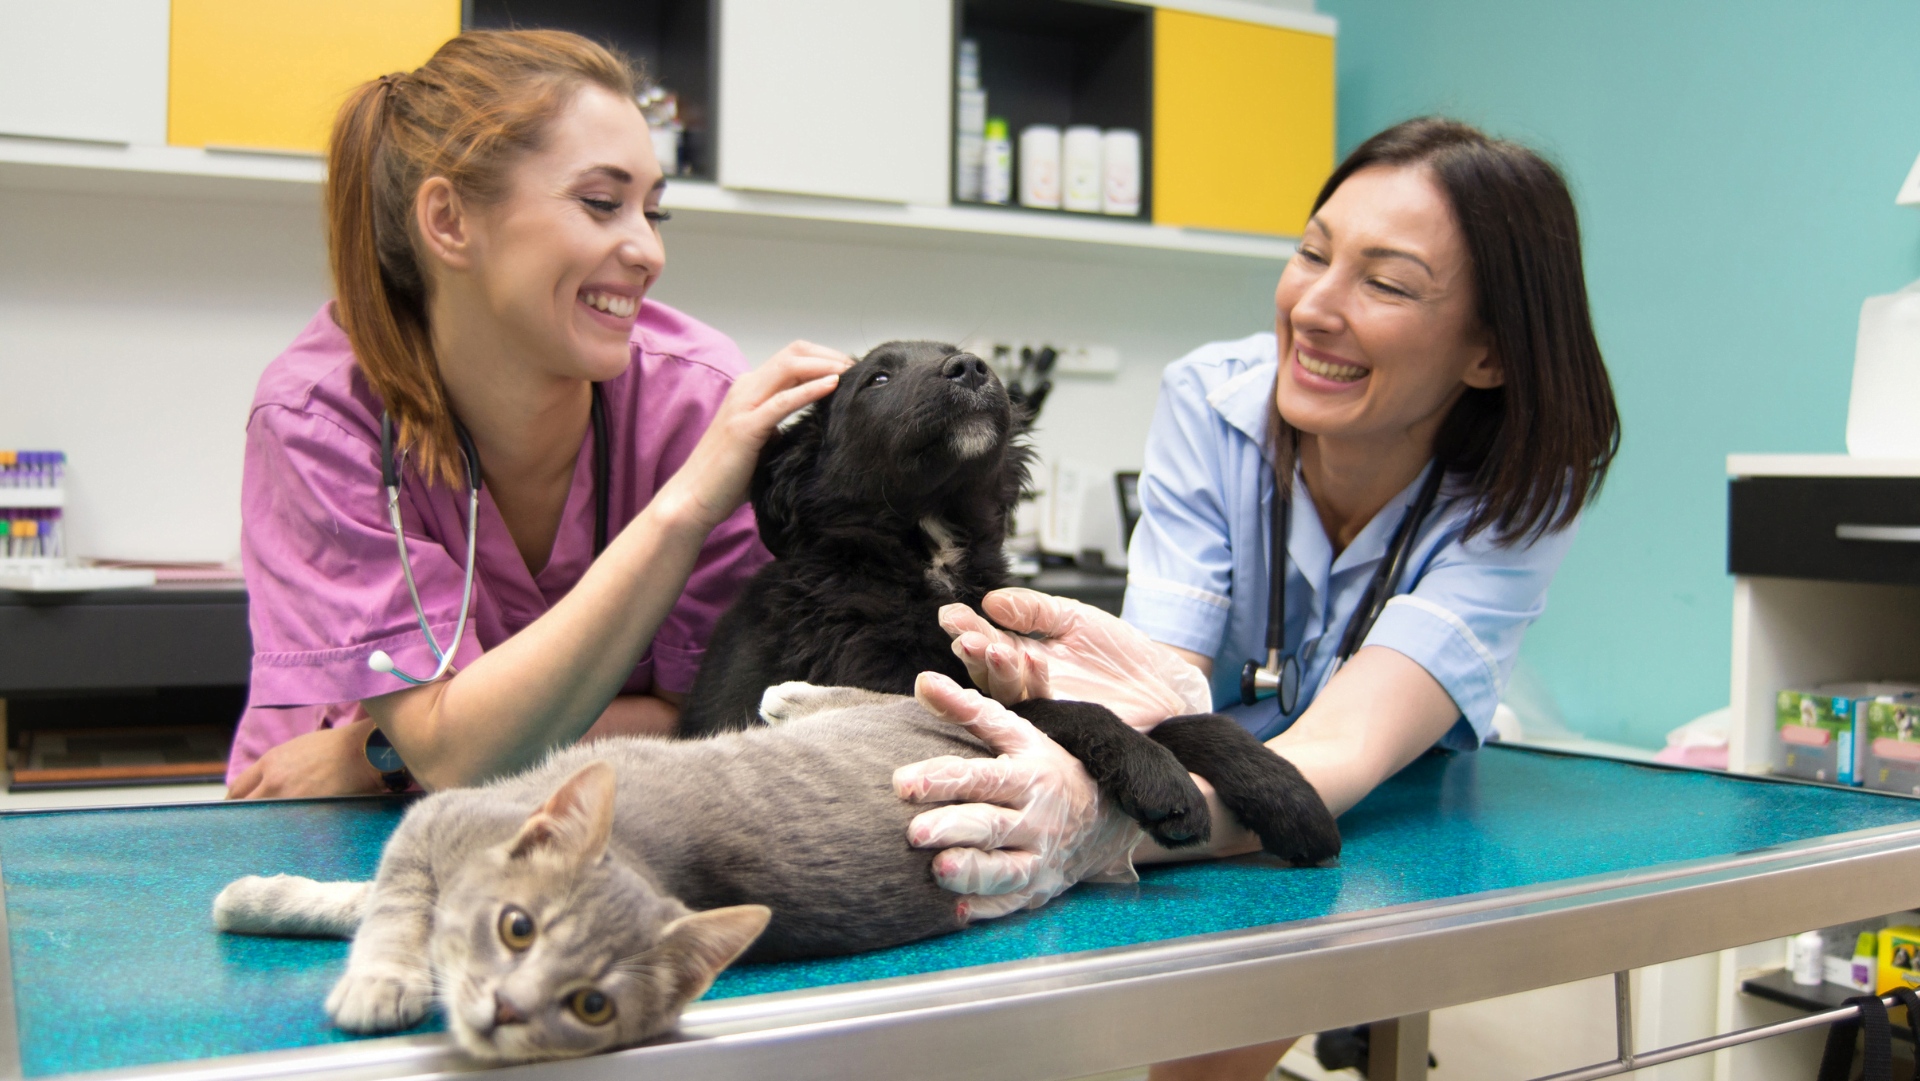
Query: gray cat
[{"x": 580, "y": 906}]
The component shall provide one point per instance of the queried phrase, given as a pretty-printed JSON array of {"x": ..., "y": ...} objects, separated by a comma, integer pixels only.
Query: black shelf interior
[
  {"x": 673, "y": 39},
  {"x": 1065, "y": 62},
  {"x": 1778, "y": 986}
]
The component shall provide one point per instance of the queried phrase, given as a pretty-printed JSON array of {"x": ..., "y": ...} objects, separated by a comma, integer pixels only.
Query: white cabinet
[
  {"x": 84, "y": 69},
  {"x": 845, "y": 98}
]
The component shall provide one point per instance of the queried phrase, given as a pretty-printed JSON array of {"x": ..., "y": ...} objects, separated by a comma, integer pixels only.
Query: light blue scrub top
[{"x": 1197, "y": 566}]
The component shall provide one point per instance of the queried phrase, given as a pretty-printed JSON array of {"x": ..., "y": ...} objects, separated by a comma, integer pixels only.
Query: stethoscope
[
  {"x": 379, "y": 661},
  {"x": 1281, "y": 675}
]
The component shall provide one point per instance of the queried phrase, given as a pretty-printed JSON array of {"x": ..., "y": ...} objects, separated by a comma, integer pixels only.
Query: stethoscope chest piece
[{"x": 1282, "y": 678}]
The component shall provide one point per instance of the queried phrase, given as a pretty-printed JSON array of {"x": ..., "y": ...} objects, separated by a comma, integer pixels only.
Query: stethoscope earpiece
[{"x": 380, "y": 662}]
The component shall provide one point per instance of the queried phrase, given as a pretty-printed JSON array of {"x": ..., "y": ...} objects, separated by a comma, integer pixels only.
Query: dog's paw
[
  {"x": 783, "y": 702},
  {"x": 1293, "y": 825},
  {"x": 380, "y": 997},
  {"x": 1155, "y": 790}
]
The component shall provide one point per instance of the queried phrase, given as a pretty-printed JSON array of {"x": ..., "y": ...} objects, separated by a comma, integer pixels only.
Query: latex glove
[
  {"x": 1042, "y": 824},
  {"x": 1084, "y": 654}
]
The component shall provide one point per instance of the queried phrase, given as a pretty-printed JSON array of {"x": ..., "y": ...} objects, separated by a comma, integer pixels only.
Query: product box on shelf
[
  {"x": 1892, "y": 747},
  {"x": 1821, "y": 732},
  {"x": 1899, "y": 959}
]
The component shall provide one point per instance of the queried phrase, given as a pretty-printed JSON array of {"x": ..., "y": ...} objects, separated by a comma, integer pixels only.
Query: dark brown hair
[
  {"x": 481, "y": 102},
  {"x": 1533, "y": 451}
]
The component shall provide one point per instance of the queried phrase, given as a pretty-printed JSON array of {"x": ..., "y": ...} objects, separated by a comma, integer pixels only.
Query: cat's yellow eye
[
  {"x": 591, "y": 1006},
  {"x": 516, "y": 928}
]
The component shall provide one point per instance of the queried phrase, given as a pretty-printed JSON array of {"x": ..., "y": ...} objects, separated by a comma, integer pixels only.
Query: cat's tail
[{"x": 290, "y": 905}]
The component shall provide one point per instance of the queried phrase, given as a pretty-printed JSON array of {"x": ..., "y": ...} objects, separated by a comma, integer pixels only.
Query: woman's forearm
[
  {"x": 548, "y": 684},
  {"x": 1381, "y": 712}
]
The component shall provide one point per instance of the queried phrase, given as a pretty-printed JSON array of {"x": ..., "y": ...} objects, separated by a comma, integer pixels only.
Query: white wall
[{"x": 132, "y": 331}]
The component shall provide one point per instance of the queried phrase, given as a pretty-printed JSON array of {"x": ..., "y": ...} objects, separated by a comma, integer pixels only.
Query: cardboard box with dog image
[
  {"x": 1821, "y": 732},
  {"x": 1893, "y": 746}
]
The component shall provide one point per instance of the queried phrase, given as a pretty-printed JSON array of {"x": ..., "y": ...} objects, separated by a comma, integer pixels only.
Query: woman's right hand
[{"x": 714, "y": 480}]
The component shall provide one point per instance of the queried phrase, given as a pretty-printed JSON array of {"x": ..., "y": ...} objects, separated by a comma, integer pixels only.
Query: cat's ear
[
  {"x": 695, "y": 948},
  {"x": 575, "y": 821}
]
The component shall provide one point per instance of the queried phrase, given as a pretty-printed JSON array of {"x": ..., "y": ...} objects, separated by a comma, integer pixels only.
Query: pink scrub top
[{"x": 323, "y": 576}]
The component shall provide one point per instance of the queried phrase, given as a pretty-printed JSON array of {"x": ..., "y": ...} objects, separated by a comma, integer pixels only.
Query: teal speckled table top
[{"x": 115, "y": 961}]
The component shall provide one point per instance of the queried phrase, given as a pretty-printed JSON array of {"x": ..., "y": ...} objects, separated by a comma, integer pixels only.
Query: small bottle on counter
[
  {"x": 1040, "y": 167},
  {"x": 996, "y": 165}
]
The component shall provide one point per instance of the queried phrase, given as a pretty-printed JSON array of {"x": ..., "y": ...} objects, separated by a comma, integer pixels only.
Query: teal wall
[{"x": 1735, "y": 167}]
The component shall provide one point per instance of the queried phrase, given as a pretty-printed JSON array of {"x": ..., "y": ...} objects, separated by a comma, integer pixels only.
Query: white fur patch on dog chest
[{"x": 946, "y": 554}]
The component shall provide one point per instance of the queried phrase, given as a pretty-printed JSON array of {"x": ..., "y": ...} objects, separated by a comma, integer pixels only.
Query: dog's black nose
[{"x": 966, "y": 369}]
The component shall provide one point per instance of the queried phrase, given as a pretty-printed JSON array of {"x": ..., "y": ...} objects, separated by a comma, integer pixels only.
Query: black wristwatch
[{"x": 386, "y": 760}]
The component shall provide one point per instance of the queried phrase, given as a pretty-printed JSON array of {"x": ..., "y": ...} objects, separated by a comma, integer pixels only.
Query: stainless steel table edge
[
  {"x": 1100, "y": 1010},
  {"x": 9, "y": 1030}
]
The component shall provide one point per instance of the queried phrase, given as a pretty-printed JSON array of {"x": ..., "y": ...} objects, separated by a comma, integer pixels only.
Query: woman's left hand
[
  {"x": 1082, "y": 653},
  {"x": 714, "y": 480},
  {"x": 325, "y": 762},
  {"x": 1041, "y": 825}
]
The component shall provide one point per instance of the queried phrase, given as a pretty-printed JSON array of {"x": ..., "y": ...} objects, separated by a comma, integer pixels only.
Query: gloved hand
[
  {"x": 1044, "y": 826},
  {"x": 1084, "y": 654}
]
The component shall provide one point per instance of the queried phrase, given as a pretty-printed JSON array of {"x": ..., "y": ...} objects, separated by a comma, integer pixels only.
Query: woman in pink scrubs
[{"x": 493, "y": 230}]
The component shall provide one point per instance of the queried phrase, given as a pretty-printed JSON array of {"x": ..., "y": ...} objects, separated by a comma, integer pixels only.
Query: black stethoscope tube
[{"x": 1281, "y": 674}]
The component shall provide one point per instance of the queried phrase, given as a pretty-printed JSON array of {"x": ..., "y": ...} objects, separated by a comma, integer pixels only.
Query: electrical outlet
[
  {"x": 1003, "y": 353},
  {"x": 1088, "y": 360}
]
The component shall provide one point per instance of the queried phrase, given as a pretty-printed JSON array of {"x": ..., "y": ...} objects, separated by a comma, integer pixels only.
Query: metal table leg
[{"x": 1398, "y": 1049}]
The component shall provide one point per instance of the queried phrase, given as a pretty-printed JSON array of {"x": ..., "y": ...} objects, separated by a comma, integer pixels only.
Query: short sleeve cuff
[
  {"x": 1442, "y": 643},
  {"x": 324, "y": 676},
  {"x": 1176, "y": 615},
  {"x": 675, "y": 666}
]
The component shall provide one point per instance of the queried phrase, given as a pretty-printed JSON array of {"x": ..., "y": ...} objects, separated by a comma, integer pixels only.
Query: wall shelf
[{"x": 184, "y": 172}]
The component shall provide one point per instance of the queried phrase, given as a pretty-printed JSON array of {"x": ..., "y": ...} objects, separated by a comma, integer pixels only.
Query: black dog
[{"x": 892, "y": 497}]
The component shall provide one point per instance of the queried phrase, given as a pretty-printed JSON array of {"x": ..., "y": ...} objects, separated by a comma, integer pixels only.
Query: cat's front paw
[
  {"x": 380, "y": 997},
  {"x": 783, "y": 702}
]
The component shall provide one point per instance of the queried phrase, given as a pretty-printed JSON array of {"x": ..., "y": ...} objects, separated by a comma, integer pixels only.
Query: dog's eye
[{"x": 877, "y": 378}]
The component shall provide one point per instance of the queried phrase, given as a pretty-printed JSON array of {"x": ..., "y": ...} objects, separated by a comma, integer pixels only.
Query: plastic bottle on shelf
[
  {"x": 1804, "y": 953},
  {"x": 1080, "y": 169},
  {"x": 1120, "y": 172},
  {"x": 970, "y": 145},
  {"x": 1040, "y": 167},
  {"x": 996, "y": 170}
]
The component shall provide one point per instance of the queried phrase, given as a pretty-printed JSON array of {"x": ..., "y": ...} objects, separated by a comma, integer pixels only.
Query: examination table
[{"x": 1464, "y": 878}]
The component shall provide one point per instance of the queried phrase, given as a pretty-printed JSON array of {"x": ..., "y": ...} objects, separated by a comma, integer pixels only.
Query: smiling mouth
[
  {"x": 1339, "y": 373},
  {"x": 620, "y": 307}
]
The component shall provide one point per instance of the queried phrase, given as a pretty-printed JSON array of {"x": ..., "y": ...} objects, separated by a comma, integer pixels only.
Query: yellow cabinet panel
[
  {"x": 272, "y": 73},
  {"x": 1242, "y": 123}
]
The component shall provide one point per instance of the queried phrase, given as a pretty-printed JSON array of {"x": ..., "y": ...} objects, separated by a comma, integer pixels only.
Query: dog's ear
[{"x": 780, "y": 480}]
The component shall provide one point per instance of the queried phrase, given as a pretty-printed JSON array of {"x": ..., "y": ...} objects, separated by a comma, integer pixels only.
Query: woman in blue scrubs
[{"x": 1435, "y": 318}]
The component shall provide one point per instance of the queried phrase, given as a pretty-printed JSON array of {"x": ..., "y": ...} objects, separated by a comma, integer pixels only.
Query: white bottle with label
[
  {"x": 1080, "y": 169},
  {"x": 1120, "y": 169},
  {"x": 1040, "y": 167}
]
